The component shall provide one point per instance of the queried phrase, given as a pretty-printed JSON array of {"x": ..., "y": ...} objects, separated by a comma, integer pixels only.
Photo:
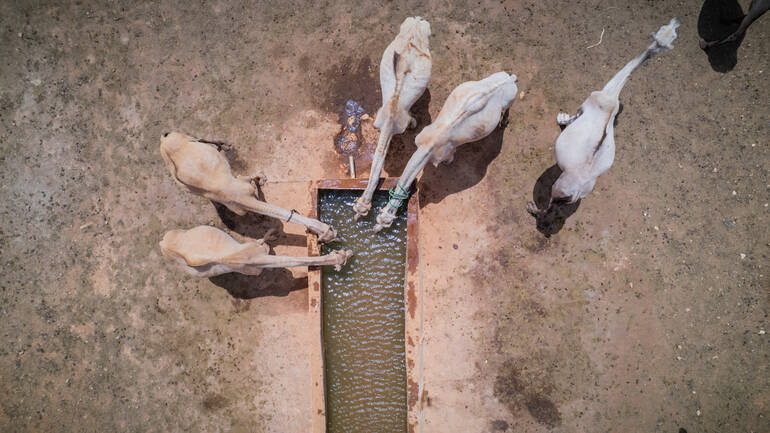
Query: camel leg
[
  {"x": 756, "y": 9},
  {"x": 255, "y": 265},
  {"x": 415, "y": 165},
  {"x": 364, "y": 203},
  {"x": 324, "y": 231},
  {"x": 336, "y": 258}
]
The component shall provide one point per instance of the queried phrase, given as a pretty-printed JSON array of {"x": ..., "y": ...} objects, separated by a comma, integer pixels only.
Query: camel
[
  {"x": 206, "y": 251},
  {"x": 756, "y": 9},
  {"x": 199, "y": 166},
  {"x": 404, "y": 75},
  {"x": 471, "y": 112},
  {"x": 586, "y": 147}
]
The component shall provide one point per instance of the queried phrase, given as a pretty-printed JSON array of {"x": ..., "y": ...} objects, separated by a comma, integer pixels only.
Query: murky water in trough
[{"x": 363, "y": 308}]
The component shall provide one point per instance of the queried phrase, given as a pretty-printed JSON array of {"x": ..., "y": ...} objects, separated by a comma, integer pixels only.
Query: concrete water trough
[{"x": 412, "y": 308}]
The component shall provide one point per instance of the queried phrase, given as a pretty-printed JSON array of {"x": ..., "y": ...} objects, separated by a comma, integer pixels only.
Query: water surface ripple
[{"x": 363, "y": 308}]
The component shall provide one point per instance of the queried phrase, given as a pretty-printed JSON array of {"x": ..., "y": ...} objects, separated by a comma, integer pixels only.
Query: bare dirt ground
[{"x": 643, "y": 314}]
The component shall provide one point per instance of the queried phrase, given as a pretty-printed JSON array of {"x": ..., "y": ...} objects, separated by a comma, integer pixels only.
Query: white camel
[
  {"x": 206, "y": 251},
  {"x": 404, "y": 75},
  {"x": 200, "y": 167},
  {"x": 586, "y": 147},
  {"x": 471, "y": 112}
]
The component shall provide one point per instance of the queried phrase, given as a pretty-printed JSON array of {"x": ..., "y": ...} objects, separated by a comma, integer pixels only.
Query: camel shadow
[
  {"x": 469, "y": 166},
  {"x": 271, "y": 282},
  {"x": 717, "y": 20},
  {"x": 402, "y": 145},
  {"x": 552, "y": 221}
]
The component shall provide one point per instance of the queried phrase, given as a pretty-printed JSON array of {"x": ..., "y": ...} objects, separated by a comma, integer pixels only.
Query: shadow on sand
[
  {"x": 272, "y": 281},
  {"x": 717, "y": 20},
  {"x": 402, "y": 145},
  {"x": 551, "y": 221},
  {"x": 466, "y": 170}
]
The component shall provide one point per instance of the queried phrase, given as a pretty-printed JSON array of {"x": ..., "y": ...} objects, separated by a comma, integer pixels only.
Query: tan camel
[
  {"x": 206, "y": 251},
  {"x": 200, "y": 167}
]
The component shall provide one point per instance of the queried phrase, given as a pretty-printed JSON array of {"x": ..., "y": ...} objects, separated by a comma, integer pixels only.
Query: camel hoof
[
  {"x": 361, "y": 208},
  {"x": 382, "y": 223},
  {"x": 343, "y": 255},
  {"x": 327, "y": 236},
  {"x": 385, "y": 218}
]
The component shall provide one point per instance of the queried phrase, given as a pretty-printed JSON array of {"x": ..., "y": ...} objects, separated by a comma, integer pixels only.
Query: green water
[{"x": 363, "y": 309}]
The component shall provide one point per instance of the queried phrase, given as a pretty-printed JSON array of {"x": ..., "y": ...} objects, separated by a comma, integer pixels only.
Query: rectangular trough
[{"x": 412, "y": 298}]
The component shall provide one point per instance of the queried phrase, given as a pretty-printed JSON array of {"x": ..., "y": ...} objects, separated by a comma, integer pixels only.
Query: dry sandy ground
[{"x": 643, "y": 314}]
